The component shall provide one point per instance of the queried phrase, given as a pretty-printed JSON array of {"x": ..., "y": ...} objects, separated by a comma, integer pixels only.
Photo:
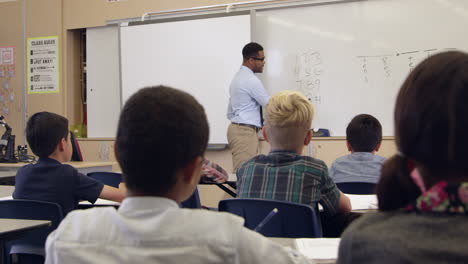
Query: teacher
[{"x": 246, "y": 96}]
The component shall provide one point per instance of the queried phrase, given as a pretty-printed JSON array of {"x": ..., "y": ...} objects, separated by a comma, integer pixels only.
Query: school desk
[{"x": 11, "y": 229}]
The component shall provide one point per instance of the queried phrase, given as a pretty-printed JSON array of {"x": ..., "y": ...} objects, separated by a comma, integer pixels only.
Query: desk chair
[
  {"x": 192, "y": 202},
  {"x": 76, "y": 150},
  {"x": 292, "y": 220},
  {"x": 108, "y": 178},
  {"x": 30, "y": 248},
  {"x": 357, "y": 187}
]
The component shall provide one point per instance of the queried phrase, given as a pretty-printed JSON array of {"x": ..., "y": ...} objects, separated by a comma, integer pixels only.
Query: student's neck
[
  {"x": 372, "y": 152},
  {"x": 131, "y": 193},
  {"x": 297, "y": 150},
  {"x": 57, "y": 157}
]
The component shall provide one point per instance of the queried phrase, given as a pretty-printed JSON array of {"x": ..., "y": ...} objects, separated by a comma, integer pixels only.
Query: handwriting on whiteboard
[
  {"x": 384, "y": 64},
  {"x": 308, "y": 69}
]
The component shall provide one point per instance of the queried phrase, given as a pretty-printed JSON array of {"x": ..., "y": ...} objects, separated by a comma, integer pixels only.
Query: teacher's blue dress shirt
[{"x": 247, "y": 94}]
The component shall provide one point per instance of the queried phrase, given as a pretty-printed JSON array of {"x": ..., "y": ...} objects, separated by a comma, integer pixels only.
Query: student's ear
[
  {"x": 308, "y": 137},
  {"x": 264, "y": 133},
  {"x": 192, "y": 172},
  {"x": 61, "y": 145},
  {"x": 350, "y": 149},
  {"x": 377, "y": 147}
]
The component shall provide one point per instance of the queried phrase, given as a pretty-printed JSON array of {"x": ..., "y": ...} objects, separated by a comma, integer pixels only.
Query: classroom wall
[
  {"x": 92, "y": 13},
  {"x": 44, "y": 18},
  {"x": 12, "y": 35}
]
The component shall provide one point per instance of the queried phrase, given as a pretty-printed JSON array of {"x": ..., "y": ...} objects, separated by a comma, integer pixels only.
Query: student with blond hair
[{"x": 284, "y": 174}]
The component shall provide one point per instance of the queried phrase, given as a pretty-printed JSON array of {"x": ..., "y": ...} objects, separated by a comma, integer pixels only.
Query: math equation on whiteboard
[
  {"x": 308, "y": 70},
  {"x": 391, "y": 64}
]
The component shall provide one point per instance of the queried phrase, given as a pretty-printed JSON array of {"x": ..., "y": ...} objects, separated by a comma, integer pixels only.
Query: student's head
[
  {"x": 288, "y": 120},
  {"x": 254, "y": 58},
  {"x": 47, "y": 133},
  {"x": 431, "y": 128},
  {"x": 161, "y": 139},
  {"x": 364, "y": 134}
]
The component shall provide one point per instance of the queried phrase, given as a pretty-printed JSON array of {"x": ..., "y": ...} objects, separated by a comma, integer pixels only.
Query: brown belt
[{"x": 247, "y": 125}]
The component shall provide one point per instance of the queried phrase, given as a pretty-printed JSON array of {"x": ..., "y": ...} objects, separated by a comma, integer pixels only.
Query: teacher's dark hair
[
  {"x": 431, "y": 128},
  {"x": 161, "y": 130},
  {"x": 251, "y": 50}
]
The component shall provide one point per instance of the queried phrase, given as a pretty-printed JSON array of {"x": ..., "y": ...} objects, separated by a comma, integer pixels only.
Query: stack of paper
[
  {"x": 318, "y": 248},
  {"x": 363, "y": 202}
]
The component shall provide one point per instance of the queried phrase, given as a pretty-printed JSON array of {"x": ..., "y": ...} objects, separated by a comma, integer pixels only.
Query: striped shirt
[{"x": 287, "y": 176}]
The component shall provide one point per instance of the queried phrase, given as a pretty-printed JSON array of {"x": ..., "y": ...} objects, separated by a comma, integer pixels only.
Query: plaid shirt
[{"x": 287, "y": 176}]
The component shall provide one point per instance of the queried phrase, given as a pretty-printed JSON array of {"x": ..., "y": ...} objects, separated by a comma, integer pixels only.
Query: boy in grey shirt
[{"x": 363, "y": 138}]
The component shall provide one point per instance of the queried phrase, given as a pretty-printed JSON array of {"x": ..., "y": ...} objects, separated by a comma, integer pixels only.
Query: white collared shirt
[
  {"x": 156, "y": 230},
  {"x": 246, "y": 95}
]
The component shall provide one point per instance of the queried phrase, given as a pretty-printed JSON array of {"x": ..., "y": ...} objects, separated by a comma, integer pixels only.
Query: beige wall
[
  {"x": 12, "y": 35},
  {"x": 44, "y": 18},
  {"x": 92, "y": 13}
]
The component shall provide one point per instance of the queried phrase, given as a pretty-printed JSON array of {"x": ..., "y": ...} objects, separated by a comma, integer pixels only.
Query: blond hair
[
  {"x": 289, "y": 108},
  {"x": 288, "y": 118}
]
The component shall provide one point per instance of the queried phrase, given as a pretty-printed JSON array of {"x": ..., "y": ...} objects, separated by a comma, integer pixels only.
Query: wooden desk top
[
  {"x": 8, "y": 226},
  {"x": 76, "y": 164},
  {"x": 6, "y": 190},
  {"x": 7, "y": 174}
]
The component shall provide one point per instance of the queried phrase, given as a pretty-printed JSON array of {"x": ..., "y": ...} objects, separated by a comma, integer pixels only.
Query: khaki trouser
[{"x": 243, "y": 142}]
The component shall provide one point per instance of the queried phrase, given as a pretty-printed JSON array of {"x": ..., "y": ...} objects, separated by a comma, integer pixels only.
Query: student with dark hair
[
  {"x": 423, "y": 190},
  {"x": 246, "y": 97},
  {"x": 161, "y": 139},
  {"x": 50, "y": 180},
  {"x": 363, "y": 138}
]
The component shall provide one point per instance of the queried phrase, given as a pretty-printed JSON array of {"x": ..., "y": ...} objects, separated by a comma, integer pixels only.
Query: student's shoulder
[
  {"x": 380, "y": 158},
  {"x": 63, "y": 169},
  {"x": 342, "y": 159},
  {"x": 259, "y": 159},
  {"x": 214, "y": 216},
  {"x": 225, "y": 225},
  {"x": 67, "y": 170},
  {"x": 81, "y": 222},
  {"x": 311, "y": 161},
  {"x": 375, "y": 222}
]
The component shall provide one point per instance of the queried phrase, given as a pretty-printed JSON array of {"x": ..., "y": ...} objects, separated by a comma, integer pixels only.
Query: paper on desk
[
  {"x": 98, "y": 201},
  {"x": 318, "y": 248},
  {"x": 6, "y": 198},
  {"x": 363, "y": 201}
]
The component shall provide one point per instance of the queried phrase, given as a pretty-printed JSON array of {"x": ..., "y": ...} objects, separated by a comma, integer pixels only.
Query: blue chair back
[
  {"x": 292, "y": 220},
  {"x": 34, "y": 241},
  {"x": 192, "y": 202},
  {"x": 106, "y": 177},
  {"x": 357, "y": 187}
]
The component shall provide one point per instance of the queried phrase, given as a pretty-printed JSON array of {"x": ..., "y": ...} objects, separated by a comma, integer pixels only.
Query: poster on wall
[
  {"x": 6, "y": 55},
  {"x": 43, "y": 65}
]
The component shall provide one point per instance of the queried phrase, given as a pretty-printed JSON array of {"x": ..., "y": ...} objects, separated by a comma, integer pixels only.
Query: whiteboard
[
  {"x": 198, "y": 56},
  {"x": 351, "y": 58},
  {"x": 103, "y": 81}
]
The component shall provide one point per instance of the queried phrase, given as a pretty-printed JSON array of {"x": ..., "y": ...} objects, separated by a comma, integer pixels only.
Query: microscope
[{"x": 7, "y": 144}]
